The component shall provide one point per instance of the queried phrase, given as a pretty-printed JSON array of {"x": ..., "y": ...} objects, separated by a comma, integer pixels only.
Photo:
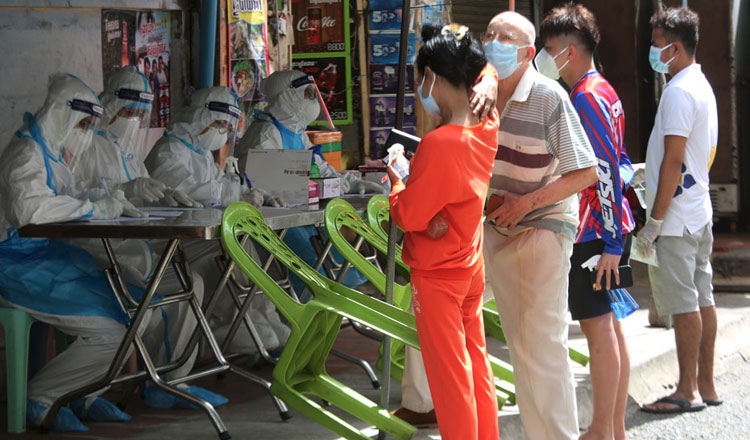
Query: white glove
[
  {"x": 360, "y": 186},
  {"x": 175, "y": 197},
  {"x": 144, "y": 188},
  {"x": 106, "y": 209},
  {"x": 128, "y": 209},
  {"x": 650, "y": 231},
  {"x": 269, "y": 200},
  {"x": 253, "y": 197}
]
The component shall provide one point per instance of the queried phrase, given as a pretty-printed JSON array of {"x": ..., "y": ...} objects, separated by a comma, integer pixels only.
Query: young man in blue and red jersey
[{"x": 570, "y": 36}]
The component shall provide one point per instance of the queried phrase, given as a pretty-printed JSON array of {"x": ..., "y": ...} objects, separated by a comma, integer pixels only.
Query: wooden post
[{"x": 364, "y": 82}]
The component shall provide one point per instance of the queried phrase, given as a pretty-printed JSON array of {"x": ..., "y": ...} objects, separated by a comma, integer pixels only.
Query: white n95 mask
[{"x": 212, "y": 139}]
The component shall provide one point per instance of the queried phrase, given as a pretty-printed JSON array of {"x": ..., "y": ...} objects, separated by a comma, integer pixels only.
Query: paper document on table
[
  {"x": 126, "y": 219},
  {"x": 163, "y": 213},
  {"x": 168, "y": 208}
]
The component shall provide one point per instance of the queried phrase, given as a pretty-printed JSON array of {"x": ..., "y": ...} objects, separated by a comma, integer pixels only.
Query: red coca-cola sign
[{"x": 319, "y": 26}]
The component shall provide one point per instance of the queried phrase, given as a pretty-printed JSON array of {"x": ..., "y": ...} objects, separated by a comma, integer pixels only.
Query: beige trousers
[{"x": 528, "y": 273}]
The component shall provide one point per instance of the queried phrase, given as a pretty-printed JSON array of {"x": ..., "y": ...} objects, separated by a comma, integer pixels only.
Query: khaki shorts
[{"x": 682, "y": 282}]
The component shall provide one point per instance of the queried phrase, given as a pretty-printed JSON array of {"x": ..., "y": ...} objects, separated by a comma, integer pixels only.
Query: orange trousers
[{"x": 451, "y": 335}]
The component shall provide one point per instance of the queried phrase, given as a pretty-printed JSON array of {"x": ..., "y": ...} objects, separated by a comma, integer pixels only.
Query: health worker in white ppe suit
[
  {"x": 54, "y": 282},
  {"x": 294, "y": 103},
  {"x": 114, "y": 162},
  {"x": 184, "y": 159}
]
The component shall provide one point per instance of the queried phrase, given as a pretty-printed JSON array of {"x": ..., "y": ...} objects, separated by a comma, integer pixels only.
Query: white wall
[
  {"x": 37, "y": 43},
  {"x": 41, "y": 37}
]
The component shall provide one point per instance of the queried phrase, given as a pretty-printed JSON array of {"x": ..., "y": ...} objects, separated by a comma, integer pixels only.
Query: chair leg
[
  {"x": 361, "y": 363},
  {"x": 17, "y": 325},
  {"x": 316, "y": 413},
  {"x": 359, "y": 406}
]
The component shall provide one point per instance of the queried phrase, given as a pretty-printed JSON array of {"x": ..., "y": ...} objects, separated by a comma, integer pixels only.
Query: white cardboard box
[
  {"x": 328, "y": 187},
  {"x": 283, "y": 173}
]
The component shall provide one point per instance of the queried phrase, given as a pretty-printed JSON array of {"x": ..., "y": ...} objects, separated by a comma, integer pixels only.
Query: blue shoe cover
[
  {"x": 65, "y": 420},
  {"x": 100, "y": 410},
  {"x": 216, "y": 400},
  {"x": 157, "y": 398}
]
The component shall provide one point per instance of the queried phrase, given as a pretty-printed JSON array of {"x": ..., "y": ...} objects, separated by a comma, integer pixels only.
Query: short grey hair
[{"x": 526, "y": 33}]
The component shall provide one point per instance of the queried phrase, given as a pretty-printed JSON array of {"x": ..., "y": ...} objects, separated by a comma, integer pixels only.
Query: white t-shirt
[{"x": 688, "y": 109}]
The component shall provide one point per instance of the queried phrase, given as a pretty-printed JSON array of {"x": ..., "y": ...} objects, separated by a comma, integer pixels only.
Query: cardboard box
[
  {"x": 313, "y": 197},
  {"x": 329, "y": 187},
  {"x": 283, "y": 173}
]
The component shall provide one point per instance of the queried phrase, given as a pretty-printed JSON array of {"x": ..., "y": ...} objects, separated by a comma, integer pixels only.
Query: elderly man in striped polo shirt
[{"x": 543, "y": 161}]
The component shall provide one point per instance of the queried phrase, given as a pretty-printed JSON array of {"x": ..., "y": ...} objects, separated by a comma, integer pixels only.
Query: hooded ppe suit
[
  {"x": 114, "y": 158},
  {"x": 56, "y": 283},
  {"x": 291, "y": 108},
  {"x": 183, "y": 159}
]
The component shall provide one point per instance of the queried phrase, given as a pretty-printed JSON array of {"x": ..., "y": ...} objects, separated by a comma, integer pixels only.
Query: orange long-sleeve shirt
[{"x": 449, "y": 175}]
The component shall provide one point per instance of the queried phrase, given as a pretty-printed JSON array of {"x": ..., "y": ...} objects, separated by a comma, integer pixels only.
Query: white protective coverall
[
  {"x": 114, "y": 158},
  {"x": 56, "y": 283},
  {"x": 183, "y": 160},
  {"x": 293, "y": 103}
]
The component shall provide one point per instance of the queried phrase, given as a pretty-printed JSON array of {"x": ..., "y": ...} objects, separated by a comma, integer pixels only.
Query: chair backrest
[
  {"x": 378, "y": 211},
  {"x": 242, "y": 218},
  {"x": 339, "y": 213}
]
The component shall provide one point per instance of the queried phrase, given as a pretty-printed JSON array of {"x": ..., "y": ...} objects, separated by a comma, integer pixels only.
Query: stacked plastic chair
[
  {"x": 300, "y": 371},
  {"x": 378, "y": 211},
  {"x": 340, "y": 214}
]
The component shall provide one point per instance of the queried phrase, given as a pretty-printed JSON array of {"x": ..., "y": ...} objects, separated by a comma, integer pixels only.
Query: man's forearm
[
  {"x": 568, "y": 184},
  {"x": 669, "y": 174},
  {"x": 669, "y": 178}
]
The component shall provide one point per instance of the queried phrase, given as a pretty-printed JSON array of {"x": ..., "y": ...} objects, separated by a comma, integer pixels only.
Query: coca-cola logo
[{"x": 326, "y": 22}]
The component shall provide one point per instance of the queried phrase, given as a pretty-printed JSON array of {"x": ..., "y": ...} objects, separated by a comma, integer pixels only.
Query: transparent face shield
[
  {"x": 220, "y": 132},
  {"x": 78, "y": 140},
  {"x": 129, "y": 126},
  {"x": 312, "y": 107}
]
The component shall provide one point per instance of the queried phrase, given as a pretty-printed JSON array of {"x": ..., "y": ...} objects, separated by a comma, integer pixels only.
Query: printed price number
[
  {"x": 335, "y": 47},
  {"x": 338, "y": 115}
]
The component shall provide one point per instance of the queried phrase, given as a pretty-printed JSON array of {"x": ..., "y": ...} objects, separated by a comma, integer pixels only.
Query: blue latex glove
[
  {"x": 65, "y": 420},
  {"x": 99, "y": 410},
  {"x": 157, "y": 398}
]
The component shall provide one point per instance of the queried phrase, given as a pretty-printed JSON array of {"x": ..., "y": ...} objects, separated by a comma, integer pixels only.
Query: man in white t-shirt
[{"x": 680, "y": 152}]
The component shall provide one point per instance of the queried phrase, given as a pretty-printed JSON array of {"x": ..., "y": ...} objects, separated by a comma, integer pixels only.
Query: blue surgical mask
[
  {"x": 428, "y": 102},
  {"x": 654, "y": 58},
  {"x": 503, "y": 57}
]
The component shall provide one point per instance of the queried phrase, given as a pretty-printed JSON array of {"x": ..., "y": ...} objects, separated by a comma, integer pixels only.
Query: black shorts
[{"x": 583, "y": 302}]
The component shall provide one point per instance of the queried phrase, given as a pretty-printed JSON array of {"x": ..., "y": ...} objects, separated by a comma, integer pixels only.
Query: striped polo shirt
[{"x": 540, "y": 138}]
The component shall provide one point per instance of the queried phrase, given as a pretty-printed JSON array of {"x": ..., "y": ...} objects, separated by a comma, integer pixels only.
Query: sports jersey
[{"x": 603, "y": 211}]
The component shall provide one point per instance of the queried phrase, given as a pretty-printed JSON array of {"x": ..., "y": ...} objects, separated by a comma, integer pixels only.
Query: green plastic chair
[
  {"x": 492, "y": 326},
  {"x": 340, "y": 214},
  {"x": 16, "y": 324},
  {"x": 300, "y": 370}
]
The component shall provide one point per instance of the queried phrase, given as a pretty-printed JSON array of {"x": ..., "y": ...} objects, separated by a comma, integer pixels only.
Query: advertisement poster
[
  {"x": 118, "y": 39},
  {"x": 248, "y": 53},
  {"x": 385, "y": 15},
  {"x": 152, "y": 45},
  {"x": 384, "y": 79},
  {"x": 330, "y": 76},
  {"x": 378, "y": 137},
  {"x": 383, "y": 111},
  {"x": 319, "y": 26},
  {"x": 384, "y": 48}
]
